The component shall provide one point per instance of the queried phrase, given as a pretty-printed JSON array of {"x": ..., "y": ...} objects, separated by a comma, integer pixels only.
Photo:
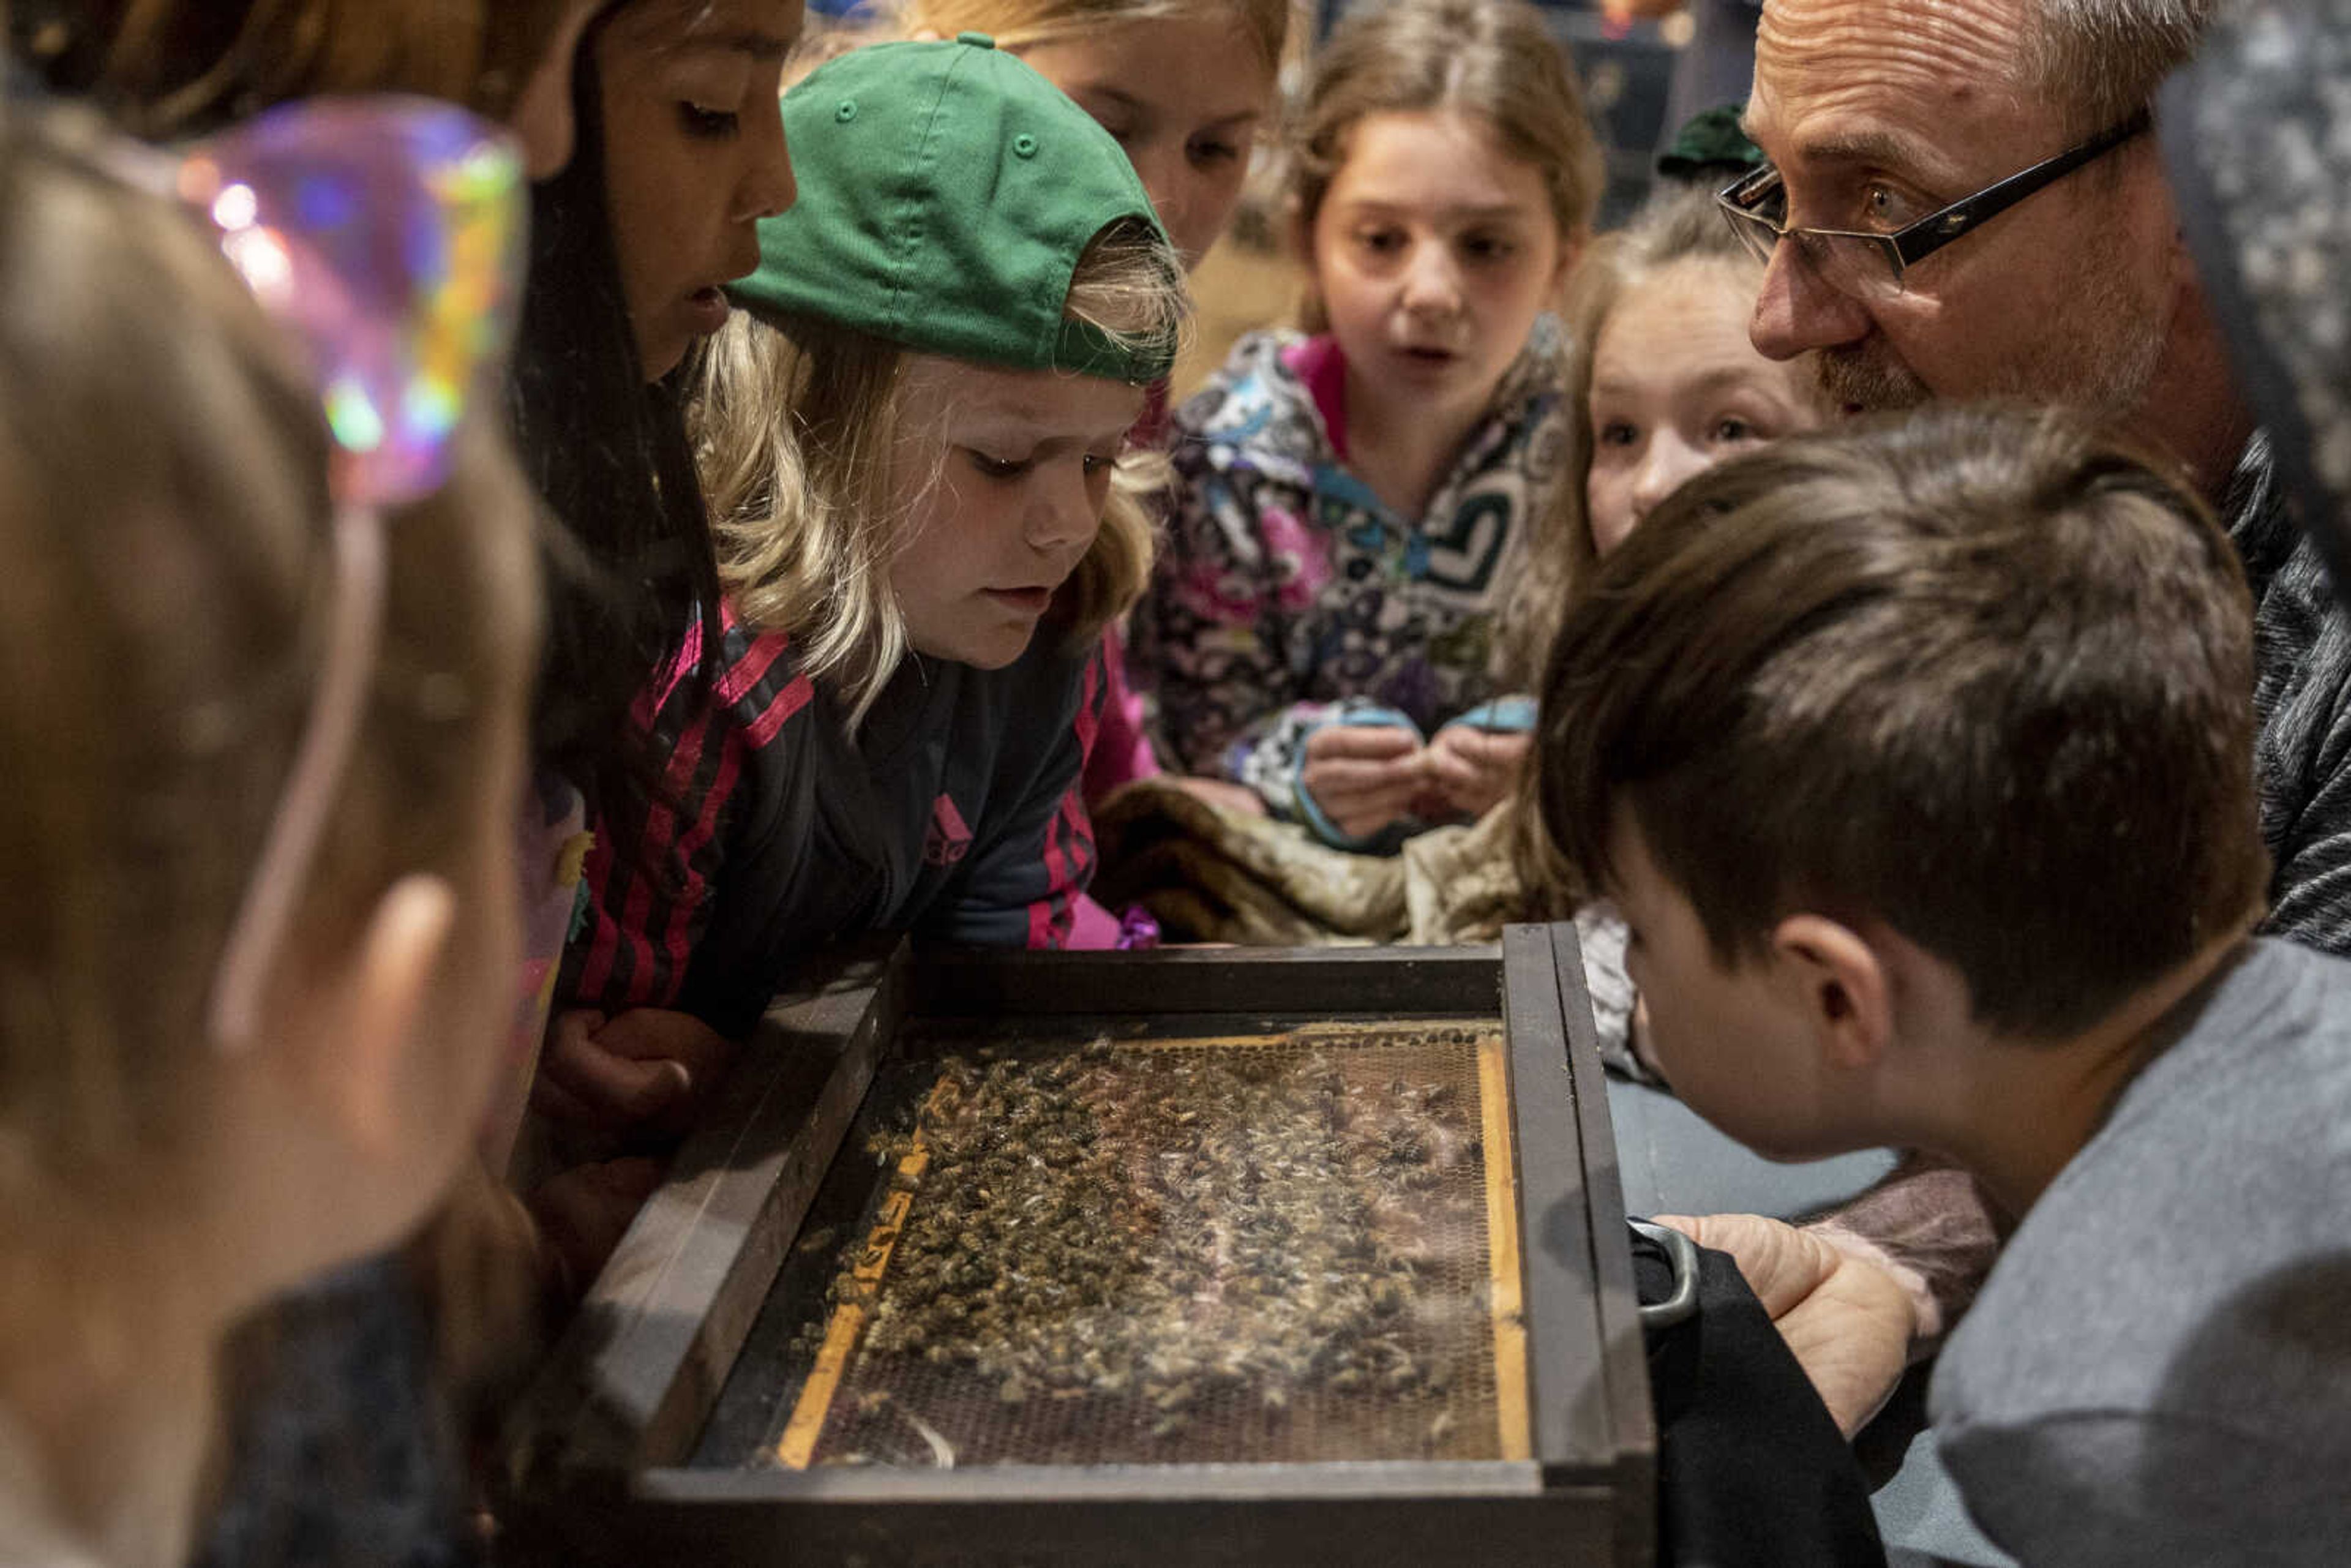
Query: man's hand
[
  {"x": 1473, "y": 770},
  {"x": 642, "y": 1071},
  {"x": 1363, "y": 775},
  {"x": 1849, "y": 1322}
]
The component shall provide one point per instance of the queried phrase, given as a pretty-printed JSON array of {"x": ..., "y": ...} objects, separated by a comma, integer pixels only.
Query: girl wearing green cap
[{"x": 913, "y": 435}]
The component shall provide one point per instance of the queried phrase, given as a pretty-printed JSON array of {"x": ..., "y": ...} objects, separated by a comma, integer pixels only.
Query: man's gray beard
[
  {"x": 2102, "y": 359},
  {"x": 1858, "y": 380}
]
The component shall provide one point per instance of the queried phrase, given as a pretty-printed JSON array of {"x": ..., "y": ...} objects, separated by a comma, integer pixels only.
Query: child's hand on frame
[
  {"x": 1472, "y": 771},
  {"x": 645, "y": 1069},
  {"x": 1363, "y": 776},
  {"x": 584, "y": 1212}
]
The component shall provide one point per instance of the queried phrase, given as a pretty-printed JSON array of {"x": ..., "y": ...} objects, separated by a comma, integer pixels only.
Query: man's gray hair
[{"x": 2103, "y": 60}]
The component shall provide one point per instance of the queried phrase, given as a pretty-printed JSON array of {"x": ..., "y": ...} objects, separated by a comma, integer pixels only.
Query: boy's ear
[
  {"x": 1841, "y": 984},
  {"x": 391, "y": 977}
]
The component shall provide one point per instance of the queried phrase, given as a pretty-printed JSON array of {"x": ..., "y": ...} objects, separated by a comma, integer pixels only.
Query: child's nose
[
  {"x": 768, "y": 189},
  {"x": 1669, "y": 461},
  {"x": 1160, "y": 166},
  {"x": 1063, "y": 511},
  {"x": 1432, "y": 283}
]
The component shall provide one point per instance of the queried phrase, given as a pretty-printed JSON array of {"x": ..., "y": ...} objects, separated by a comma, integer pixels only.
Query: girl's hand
[
  {"x": 641, "y": 1071},
  {"x": 1475, "y": 769},
  {"x": 584, "y": 1212},
  {"x": 1363, "y": 775}
]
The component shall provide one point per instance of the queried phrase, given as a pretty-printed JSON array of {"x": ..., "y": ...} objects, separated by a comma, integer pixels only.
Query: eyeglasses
[
  {"x": 1866, "y": 265},
  {"x": 387, "y": 235}
]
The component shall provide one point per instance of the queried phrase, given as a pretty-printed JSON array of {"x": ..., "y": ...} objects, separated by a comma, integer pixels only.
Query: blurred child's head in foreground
[{"x": 164, "y": 512}]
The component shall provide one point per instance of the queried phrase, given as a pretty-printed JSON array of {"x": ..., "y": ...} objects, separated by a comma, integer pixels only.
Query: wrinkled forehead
[{"x": 1943, "y": 81}]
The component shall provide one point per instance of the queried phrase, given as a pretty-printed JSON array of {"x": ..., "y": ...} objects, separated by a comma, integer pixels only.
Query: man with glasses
[
  {"x": 1972, "y": 209},
  {"x": 1963, "y": 199}
]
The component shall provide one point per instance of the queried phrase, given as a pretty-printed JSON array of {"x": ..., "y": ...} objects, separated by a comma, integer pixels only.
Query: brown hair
[
  {"x": 794, "y": 423},
  {"x": 1678, "y": 225},
  {"x": 165, "y": 515},
  {"x": 1984, "y": 675},
  {"x": 1493, "y": 59},
  {"x": 170, "y": 68}
]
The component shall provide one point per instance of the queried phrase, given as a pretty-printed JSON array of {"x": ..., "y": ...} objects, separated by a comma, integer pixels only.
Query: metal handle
[{"x": 1683, "y": 1253}]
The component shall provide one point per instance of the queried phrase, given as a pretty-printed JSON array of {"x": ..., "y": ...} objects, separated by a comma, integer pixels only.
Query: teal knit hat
[
  {"x": 1711, "y": 142},
  {"x": 946, "y": 192}
]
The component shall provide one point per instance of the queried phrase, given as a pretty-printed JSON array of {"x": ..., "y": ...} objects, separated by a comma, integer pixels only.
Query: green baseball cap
[{"x": 946, "y": 192}]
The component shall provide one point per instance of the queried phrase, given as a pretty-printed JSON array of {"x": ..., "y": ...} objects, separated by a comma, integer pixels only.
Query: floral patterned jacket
[{"x": 1289, "y": 595}]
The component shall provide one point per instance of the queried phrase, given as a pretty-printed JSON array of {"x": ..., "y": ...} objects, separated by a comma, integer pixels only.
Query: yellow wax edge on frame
[
  {"x": 1511, "y": 1412},
  {"x": 797, "y": 1447}
]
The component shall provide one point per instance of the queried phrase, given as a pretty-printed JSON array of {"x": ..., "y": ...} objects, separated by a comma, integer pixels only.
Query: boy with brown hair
[{"x": 1918, "y": 759}]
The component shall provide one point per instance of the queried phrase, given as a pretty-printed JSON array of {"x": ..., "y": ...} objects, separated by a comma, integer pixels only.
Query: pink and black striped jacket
[{"x": 956, "y": 814}]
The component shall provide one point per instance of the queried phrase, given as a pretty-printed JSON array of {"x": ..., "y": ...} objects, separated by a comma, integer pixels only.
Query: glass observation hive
[{"x": 1200, "y": 1256}]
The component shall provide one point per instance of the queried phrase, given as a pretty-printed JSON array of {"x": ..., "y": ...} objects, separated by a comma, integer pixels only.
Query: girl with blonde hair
[
  {"x": 1662, "y": 383},
  {"x": 912, "y": 431},
  {"x": 1187, "y": 88}
]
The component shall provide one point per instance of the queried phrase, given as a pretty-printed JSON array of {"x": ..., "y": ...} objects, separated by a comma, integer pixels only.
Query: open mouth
[
  {"x": 708, "y": 308},
  {"x": 1027, "y": 601}
]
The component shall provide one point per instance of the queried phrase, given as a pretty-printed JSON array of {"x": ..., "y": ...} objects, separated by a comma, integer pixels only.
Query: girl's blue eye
[
  {"x": 1617, "y": 433},
  {"x": 998, "y": 467},
  {"x": 707, "y": 124},
  {"x": 1730, "y": 427}
]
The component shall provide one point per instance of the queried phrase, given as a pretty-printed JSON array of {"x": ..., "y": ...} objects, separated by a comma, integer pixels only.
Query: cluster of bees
[{"x": 1180, "y": 1229}]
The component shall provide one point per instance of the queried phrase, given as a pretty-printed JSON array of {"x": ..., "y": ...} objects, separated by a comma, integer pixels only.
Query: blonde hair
[
  {"x": 164, "y": 512},
  {"x": 1676, "y": 227},
  {"x": 1492, "y": 59},
  {"x": 1015, "y": 24},
  {"x": 794, "y": 423}
]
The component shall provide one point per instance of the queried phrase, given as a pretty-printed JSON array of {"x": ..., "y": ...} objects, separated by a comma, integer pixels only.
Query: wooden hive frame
[{"x": 599, "y": 1452}]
